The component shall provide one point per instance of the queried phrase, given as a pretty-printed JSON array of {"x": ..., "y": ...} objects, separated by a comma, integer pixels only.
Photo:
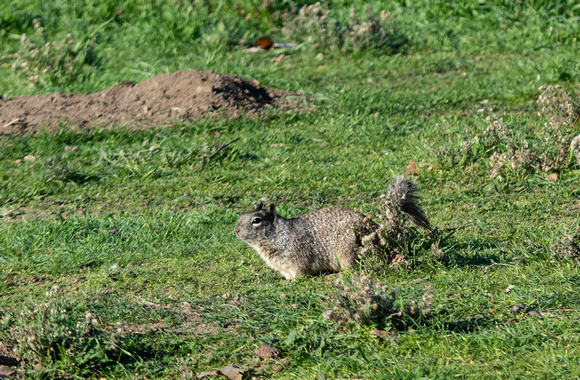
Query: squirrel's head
[{"x": 257, "y": 225}]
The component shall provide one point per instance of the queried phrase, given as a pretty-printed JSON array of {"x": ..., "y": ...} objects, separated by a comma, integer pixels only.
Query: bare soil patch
[
  {"x": 7, "y": 357},
  {"x": 194, "y": 324},
  {"x": 160, "y": 100}
]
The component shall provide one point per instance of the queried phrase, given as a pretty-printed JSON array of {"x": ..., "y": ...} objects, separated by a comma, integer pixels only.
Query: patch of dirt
[
  {"x": 7, "y": 356},
  {"x": 194, "y": 325},
  {"x": 6, "y": 372},
  {"x": 160, "y": 100}
]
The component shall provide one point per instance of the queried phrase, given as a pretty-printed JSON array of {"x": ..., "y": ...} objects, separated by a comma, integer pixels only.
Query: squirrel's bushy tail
[{"x": 402, "y": 196}]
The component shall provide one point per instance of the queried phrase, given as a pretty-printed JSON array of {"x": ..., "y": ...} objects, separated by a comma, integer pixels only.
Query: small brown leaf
[
  {"x": 265, "y": 351},
  {"x": 412, "y": 168},
  {"x": 232, "y": 372},
  {"x": 551, "y": 177}
]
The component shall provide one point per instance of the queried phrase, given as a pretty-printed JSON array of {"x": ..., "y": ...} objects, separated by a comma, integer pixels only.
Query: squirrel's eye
[{"x": 256, "y": 221}]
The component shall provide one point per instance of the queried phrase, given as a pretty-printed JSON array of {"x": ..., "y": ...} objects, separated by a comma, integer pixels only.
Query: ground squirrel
[{"x": 325, "y": 240}]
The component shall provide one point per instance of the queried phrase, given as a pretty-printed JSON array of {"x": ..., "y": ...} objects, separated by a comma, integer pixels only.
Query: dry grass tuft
[
  {"x": 317, "y": 25},
  {"x": 568, "y": 247},
  {"x": 370, "y": 303},
  {"x": 506, "y": 151},
  {"x": 395, "y": 244}
]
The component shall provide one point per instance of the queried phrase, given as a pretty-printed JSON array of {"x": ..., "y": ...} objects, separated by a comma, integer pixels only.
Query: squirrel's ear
[
  {"x": 259, "y": 207},
  {"x": 272, "y": 208}
]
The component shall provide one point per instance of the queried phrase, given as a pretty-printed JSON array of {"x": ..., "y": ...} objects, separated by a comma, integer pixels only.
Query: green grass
[{"x": 129, "y": 229}]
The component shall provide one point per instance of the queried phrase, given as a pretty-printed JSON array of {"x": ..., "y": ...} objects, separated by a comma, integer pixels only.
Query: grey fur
[
  {"x": 402, "y": 195},
  {"x": 325, "y": 240}
]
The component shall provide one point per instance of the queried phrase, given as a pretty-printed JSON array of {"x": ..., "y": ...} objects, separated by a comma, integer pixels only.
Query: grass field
[{"x": 118, "y": 257}]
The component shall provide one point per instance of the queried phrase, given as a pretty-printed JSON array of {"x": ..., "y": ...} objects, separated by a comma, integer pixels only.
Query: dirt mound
[{"x": 160, "y": 100}]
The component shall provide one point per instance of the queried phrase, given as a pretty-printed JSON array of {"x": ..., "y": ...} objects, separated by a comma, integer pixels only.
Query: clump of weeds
[
  {"x": 52, "y": 336},
  {"x": 396, "y": 244},
  {"x": 564, "y": 114},
  {"x": 54, "y": 63},
  {"x": 367, "y": 302},
  {"x": 317, "y": 25},
  {"x": 567, "y": 247},
  {"x": 62, "y": 172},
  {"x": 504, "y": 150}
]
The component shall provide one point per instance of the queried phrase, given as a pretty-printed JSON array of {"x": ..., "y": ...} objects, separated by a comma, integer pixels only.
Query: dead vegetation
[
  {"x": 316, "y": 25},
  {"x": 559, "y": 105},
  {"x": 46, "y": 333},
  {"x": 503, "y": 150},
  {"x": 395, "y": 244},
  {"x": 367, "y": 302},
  {"x": 41, "y": 336},
  {"x": 567, "y": 247},
  {"x": 53, "y": 63},
  {"x": 206, "y": 157},
  {"x": 64, "y": 173}
]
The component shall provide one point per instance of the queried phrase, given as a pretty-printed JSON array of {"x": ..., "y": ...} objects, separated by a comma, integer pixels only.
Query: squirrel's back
[{"x": 329, "y": 239}]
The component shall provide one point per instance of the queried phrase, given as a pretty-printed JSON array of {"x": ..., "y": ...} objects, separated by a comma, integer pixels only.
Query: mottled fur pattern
[
  {"x": 325, "y": 240},
  {"x": 402, "y": 196}
]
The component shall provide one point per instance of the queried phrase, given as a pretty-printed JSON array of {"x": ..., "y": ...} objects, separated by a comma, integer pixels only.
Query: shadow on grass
[
  {"x": 466, "y": 326},
  {"x": 65, "y": 173},
  {"x": 441, "y": 248},
  {"x": 480, "y": 254}
]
